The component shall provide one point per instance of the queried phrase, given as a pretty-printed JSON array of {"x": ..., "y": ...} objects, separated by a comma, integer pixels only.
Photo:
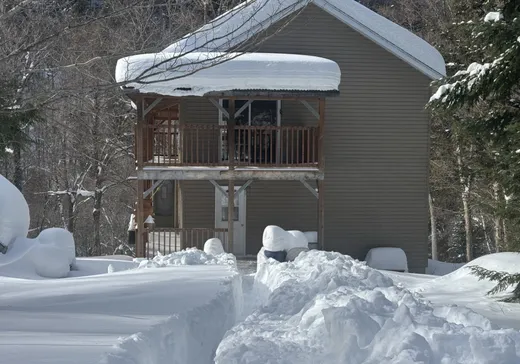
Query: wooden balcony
[{"x": 182, "y": 145}]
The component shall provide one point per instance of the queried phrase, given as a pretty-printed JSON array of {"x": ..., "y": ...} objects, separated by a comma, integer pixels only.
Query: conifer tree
[{"x": 487, "y": 91}]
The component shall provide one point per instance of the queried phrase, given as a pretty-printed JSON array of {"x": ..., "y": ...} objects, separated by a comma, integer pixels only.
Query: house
[{"x": 328, "y": 130}]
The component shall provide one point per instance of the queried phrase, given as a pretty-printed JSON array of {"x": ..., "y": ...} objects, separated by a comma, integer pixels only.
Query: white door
[{"x": 239, "y": 225}]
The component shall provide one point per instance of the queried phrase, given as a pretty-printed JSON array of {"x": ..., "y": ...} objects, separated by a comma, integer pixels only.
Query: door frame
[{"x": 240, "y": 226}]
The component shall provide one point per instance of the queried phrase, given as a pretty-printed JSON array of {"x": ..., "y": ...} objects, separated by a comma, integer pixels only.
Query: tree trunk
[
  {"x": 17, "y": 158},
  {"x": 467, "y": 225},
  {"x": 497, "y": 220},
  {"x": 435, "y": 255},
  {"x": 96, "y": 215}
]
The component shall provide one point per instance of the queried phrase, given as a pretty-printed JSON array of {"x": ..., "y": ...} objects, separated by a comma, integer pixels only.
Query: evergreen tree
[{"x": 485, "y": 96}]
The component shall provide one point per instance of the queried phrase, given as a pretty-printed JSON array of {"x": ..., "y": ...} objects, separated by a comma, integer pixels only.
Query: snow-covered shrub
[
  {"x": 387, "y": 259},
  {"x": 60, "y": 238},
  {"x": 276, "y": 239},
  {"x": 14, "y": 213},
  {"x": 213, "y": 247},
  {"x": 299, "y": 240},
  {"x": 49, "y": 260}
]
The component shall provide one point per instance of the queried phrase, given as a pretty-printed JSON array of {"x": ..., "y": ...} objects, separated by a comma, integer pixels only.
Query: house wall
[
  {"x": 376, "y": 150},
  {"x": 376, "y": 140}
]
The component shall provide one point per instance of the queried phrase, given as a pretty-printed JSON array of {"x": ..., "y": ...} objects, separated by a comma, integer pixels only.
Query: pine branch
[{"x": 504, "y": 280}]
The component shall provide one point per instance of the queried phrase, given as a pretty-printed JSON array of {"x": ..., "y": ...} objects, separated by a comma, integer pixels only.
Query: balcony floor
[{"x": 224, "y": 173}]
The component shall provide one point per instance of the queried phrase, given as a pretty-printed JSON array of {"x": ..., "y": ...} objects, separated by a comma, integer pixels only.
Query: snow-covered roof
[
  {"x": 199, "y": 73},
  {"x": 251, "y": 17}
]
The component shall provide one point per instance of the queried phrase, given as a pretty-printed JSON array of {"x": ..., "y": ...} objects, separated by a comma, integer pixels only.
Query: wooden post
[
  {"x": 140, "y": 236},
  {"x": 321, "y": 166},
  {"x": 321, "y": 135},
  {"x": 321, "y": 215},
  {"x": 231, "y": 183}
]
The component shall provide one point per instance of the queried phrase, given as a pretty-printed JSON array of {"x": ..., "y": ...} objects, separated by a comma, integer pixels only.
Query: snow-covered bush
[
  {"x": 387, "y": 259},
  {"x": 213, "y": 247},
  {"x": 14, "y": 213},
  {"x": 191, "y": 256},
  {"x": 60, "y": 238},
  {"x": 276, "y": 239}
]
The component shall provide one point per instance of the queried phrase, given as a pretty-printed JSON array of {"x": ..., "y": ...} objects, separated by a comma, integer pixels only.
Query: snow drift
[
  {"x": 14, "y": 213},
  {"x": 329, "y": 308},
  {"x": 190, "y": 256},
  {"x": 50, "y": 255}
]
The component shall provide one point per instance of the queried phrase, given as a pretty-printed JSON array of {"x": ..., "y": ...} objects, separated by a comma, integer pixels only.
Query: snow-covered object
[
  {"x": 196, "y": 74},
  {"x": 60, "y": 238},
  {"x": 250, "y": 18},
  {"x": 299, "y": 240},
  {"x": 213, "y": 247},
  {"x": 329, "y": 308},
  {"x": 493, "y": 17},
  {"x": 14, "y": 213},
  {"x": 438, "y": 268},
  {"x": 260, "y": 257},
  {"x": 276, "y": 239},
  {"x": 50, "y": 260},
  {"x": 387, "y": 259},
  {"x": 191, "y": 256},
  {"x": 312, "y": 236},
  {"x": 294, "y": 252}
]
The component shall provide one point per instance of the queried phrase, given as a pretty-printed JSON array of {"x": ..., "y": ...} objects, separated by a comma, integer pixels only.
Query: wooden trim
[
  {"x": 140, "y": 235},
  {"x": 321, "y": 138},
  {"x": 309, "y": 187},
  {"x": 311, "y": 109},
  {"x": 152, "y": 105},
  {"x": 218, "y": 174},
  {"x": 272, "y": 94},
  {"x": 321, "y": 214},
  {"x": 231, "y": 214}
]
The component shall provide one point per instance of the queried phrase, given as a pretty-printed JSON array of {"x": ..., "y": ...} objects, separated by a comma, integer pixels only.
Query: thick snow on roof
[
  {"x": 246, "y": 20},
  {"x": 196, "y": 74}
]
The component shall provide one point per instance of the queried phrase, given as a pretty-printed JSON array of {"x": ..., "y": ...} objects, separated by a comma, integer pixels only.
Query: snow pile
[
  {"x": 213, "y": 247},
  {"x": 328, "y": 308},
  {"x": 438, "y": 268},
  {"x": 196, "y": 74},
  {"x": 50, "y": 255},
  {"x": 387, "y": 259},
  {"x": 189, "y": 337},
  {"x": 276, "y": 239},
  {"x": 14, "y": 213},
  {"x": 191, "y": 256}
]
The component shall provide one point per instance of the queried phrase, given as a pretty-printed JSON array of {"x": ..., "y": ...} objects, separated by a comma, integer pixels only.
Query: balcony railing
[
  {"x": 169, "y": 240},
  {"x": 173, "y": 144}
]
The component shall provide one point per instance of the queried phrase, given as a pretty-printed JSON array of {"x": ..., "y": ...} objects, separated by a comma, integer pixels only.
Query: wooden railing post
[
  {"x": 321, "y": 138},
  {"x": 231, "y": 182},
  {"x": 140, "y": 236}
]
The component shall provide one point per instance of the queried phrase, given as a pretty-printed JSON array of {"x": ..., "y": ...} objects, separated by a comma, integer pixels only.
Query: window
[
  {"x": 224, "y": 204},
  {"x": 257, "y": 113}
]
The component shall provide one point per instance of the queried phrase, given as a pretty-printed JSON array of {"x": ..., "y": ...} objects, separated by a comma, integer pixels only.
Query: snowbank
[
  {"x": 191, "y": 256},
  {"x": 190, "y": 337},
  {"x": 196, "y": 74},
  {"x": 328, "y": 308},
  {"x": 14, "y": 213},
  {"x": 438, "y": 268},
  {"x": 387, "y": 259}
]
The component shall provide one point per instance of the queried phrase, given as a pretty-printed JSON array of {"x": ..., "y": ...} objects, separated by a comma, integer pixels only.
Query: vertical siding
[{"x": 376, "y": 140}]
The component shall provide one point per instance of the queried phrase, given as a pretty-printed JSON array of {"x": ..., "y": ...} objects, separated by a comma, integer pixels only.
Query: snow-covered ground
[
  {"x": 322, "y": 308},
  {"x": 132, "y": 315}
]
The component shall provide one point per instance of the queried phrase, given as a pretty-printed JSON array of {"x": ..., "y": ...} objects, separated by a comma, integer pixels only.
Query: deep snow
[
  {"x": 328, "y": 308},
  {"x": 197, "y": 73},
  {"x": 145, "y": 316}
]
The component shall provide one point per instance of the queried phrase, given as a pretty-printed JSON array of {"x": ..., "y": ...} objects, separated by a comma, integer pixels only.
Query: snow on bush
[
  {"x": 190, "y": 256},
  {"x": 329, "y": 308},
  {"x": 213, "y": 247},
  {"x": 276, "y": 239},
  {"x": 14, "y": 213},
  {"x": 387, "y": 259},
  {"x": 299, "y": 239},
  {"x": 60, "y": 238}
]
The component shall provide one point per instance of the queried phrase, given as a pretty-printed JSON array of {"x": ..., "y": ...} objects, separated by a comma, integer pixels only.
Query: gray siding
[
  {"x": 376, "y": 145},
  {"x": 376, "y": 140}
]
